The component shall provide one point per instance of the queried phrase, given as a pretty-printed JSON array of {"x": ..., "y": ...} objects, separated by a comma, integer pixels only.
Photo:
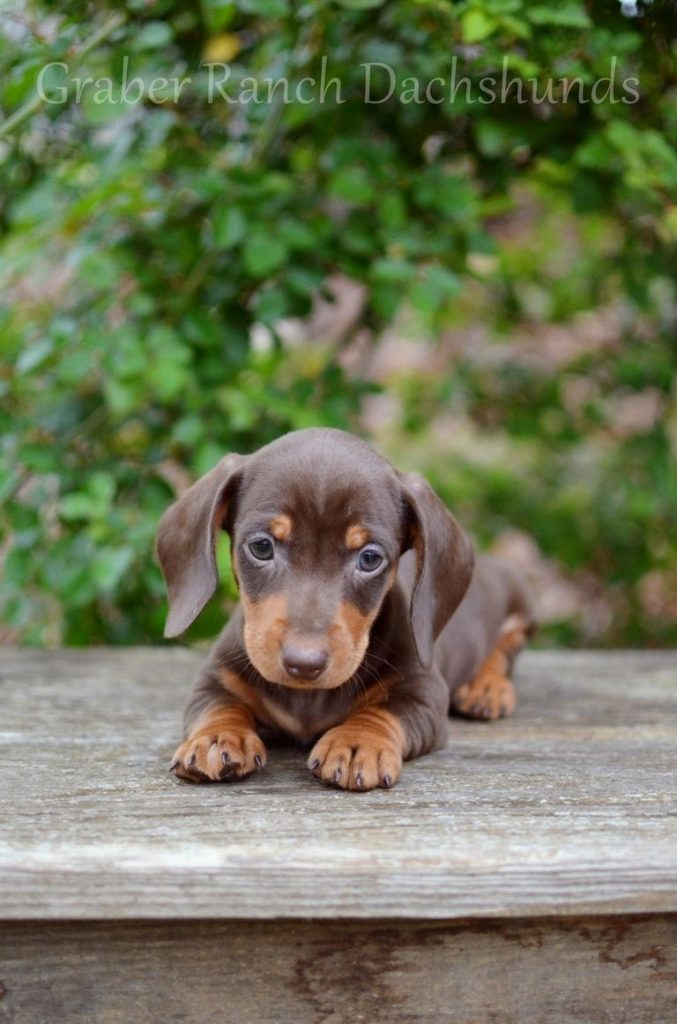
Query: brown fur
[{"x": 427, "y": 630}]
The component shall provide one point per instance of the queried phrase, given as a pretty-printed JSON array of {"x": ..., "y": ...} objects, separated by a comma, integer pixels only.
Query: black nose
[{"x": 304, "y": 662}]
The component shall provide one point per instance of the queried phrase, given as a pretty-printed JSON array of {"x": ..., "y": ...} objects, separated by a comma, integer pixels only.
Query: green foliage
[{"x": 145, "y": 245}]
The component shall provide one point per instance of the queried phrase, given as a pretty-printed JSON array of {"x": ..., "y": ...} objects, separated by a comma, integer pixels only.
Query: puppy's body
[{"x": 349, "y": 574}]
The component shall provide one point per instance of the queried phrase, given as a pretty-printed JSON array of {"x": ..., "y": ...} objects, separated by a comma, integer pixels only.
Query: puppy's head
[{"x": 318, "y": 522}]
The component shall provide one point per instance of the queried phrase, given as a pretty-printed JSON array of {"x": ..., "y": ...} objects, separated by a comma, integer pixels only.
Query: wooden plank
[
  {"x": 568, "y": 808},
  {"x": 571, "y": 971}
]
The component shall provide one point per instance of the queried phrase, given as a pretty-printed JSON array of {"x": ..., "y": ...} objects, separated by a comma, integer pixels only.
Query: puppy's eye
[
  {"x": 261, "y": 548},
  {"x": 370, "y": 559}
]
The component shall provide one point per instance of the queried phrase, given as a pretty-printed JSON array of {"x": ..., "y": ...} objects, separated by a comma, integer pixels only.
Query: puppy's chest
[{"x": 306, "y": 715}]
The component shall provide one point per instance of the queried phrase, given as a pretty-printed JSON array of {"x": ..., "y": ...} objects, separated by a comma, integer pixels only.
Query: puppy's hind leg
[{"x": 491, "y": 693}]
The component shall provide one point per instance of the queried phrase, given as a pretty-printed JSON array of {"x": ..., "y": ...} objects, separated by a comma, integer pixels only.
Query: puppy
[{"x": 363, "y": 620}]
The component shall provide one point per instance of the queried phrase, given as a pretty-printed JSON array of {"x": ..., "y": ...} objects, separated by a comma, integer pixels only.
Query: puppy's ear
[
  {"x": 444, "y": 562},
  {"x": 186, "y": 542}
]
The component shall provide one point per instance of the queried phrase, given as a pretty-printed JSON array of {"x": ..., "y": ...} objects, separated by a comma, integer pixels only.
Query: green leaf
[
  {"x": 265, "y": 8},
  {"x": 392, "y": 210},
  {"x": 17, "y": 567},
  {"x": 476, "y": 25},
  {"x": 434, "y": 289},
  {"x": 34, "y": 355},
  {"x": 562, "y": 15},
  {"x": 217, "y": 13},
  {"x": 121, "y": 398},
  {"x": 77, "y": 506},
  {"x": 229, "y": 225},
  {"x": 152, "y": 36},
  {"x": 100, "y": 270},
  {"x": 9, "y": 480},
  {"x": 109, "y": 565},
  {"x": 102, "y": 486},
  {"x": 361, "y": 5},
  {"x": 351, "y": 184},
  {"x": 390, "y": 270},
  {"x": 169, "y": 379},
  {"x": 263, "y": 254},
  {"x": 296, "y": 235},
  {"x": 493, "y": 138}
]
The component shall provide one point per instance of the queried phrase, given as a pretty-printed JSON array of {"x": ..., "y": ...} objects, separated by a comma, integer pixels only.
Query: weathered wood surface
[
  {"x": 553, "y": 971},
  {"x": 569, "y": 808}
]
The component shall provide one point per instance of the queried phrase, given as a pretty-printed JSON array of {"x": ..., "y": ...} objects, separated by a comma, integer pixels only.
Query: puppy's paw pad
[
  {"x": 355, "y": 761},
  {"x": 488, "y": 697},
  {"x": 219, "y": 757}
]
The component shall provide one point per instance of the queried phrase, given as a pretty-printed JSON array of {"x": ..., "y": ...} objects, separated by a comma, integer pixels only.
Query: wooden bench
[{"x": 528, "y": 873}]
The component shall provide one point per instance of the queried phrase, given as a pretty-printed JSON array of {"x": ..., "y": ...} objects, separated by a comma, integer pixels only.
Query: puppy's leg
[
  {"x": 367, "y": 750},
  {"x": 491, "y": 693},
  {"x": 221, "y": 743}
]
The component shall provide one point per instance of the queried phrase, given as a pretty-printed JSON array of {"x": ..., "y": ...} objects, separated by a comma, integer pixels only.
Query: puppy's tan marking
[
  {"x": 376, "y": 694},
  {"x": 356, "y": 622},
  {"x": 280, "y": 527},
  {"x": 357, "y": 625},
  {"x": 245, "y": 693},
  {"x": 365, "y": 752},
  {"x": 265, "y": 627},
  {"x": 356, "y": 537},
  {"x": 491, "y": 694},
  {"x": 270, "y": 714},
  {"x": 265, "y": 711},
  {"x": 514, "y": 634},
  {"x": 223, "y": 746}
]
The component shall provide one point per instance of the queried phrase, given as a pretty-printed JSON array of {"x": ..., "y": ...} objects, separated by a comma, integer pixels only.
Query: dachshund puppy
[{"x": 364, "y": 618}]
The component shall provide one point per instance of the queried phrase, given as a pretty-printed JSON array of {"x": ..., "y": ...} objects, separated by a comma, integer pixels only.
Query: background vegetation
[{"x": 482, "y": 289}]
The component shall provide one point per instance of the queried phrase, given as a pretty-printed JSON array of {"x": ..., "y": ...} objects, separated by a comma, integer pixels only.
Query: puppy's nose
[{"x": 304, "y": 662}]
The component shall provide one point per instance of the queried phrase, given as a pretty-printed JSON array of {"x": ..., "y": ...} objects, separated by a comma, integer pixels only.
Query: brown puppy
[{"x": 349, "y": 574}]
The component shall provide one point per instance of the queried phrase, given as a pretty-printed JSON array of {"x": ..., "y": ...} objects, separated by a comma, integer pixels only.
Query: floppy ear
[
  {"x": 444, "y": 563},
  {"x": 186, "y": 542}
]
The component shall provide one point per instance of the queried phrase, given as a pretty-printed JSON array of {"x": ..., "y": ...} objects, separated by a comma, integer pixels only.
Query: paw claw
[
  {"x": 228, "y": 756},
  {"x": 356, "y": 757}
]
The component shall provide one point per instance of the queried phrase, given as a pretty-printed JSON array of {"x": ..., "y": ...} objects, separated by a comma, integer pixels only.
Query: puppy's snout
[{"x": 304, "y": 662}]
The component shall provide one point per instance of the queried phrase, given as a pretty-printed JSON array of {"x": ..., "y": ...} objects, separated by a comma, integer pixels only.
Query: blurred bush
[{"x": 167, "y": 267}]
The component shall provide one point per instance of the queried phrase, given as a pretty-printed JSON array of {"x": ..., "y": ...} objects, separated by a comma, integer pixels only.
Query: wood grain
[
  {"x": 552, "y": 971},
  {"x": 568, "y": 808}
]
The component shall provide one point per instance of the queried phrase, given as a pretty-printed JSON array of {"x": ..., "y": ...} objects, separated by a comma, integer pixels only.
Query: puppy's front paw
[
  {"x": 219, "y": 757},
  {"x": 363, "y": 753}
]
